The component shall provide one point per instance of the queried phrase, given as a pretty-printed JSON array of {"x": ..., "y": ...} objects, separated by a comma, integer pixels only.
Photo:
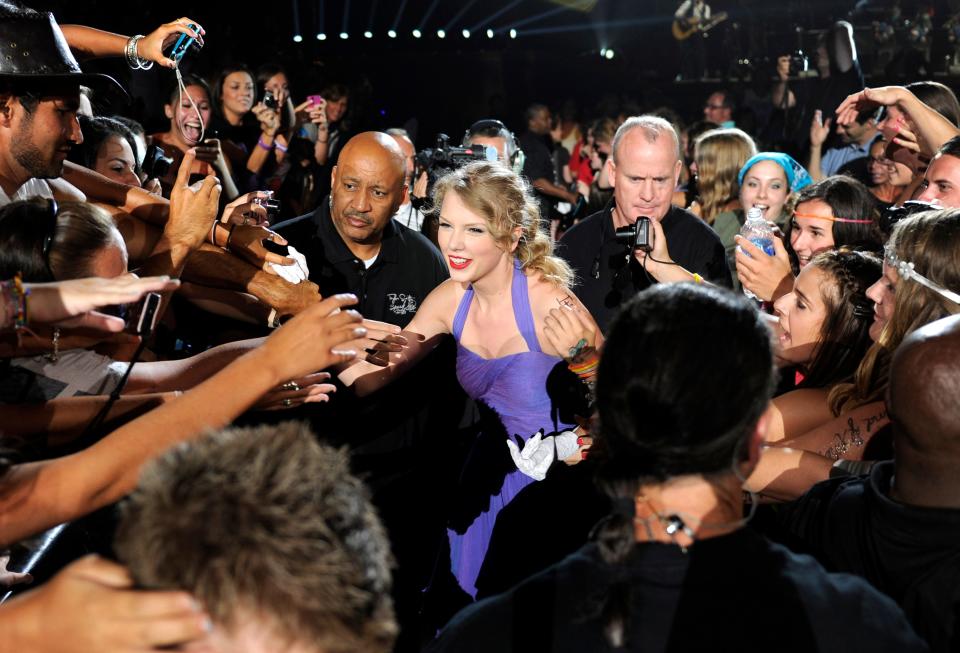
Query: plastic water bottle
[{"x": 759, "y": 232}]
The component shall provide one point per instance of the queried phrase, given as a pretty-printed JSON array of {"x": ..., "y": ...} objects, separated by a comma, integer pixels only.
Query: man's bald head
[
  {"x": 366, "y": 189},
  {"x": 373, "y": 145},
  {"x": 924, "y": 387}
]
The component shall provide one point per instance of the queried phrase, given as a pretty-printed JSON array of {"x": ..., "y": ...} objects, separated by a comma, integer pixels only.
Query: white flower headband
[{"x": 905, "y": 270}]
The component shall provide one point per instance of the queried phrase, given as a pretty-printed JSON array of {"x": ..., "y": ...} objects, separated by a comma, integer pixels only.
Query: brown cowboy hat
[{"x": 32, "y": 48}]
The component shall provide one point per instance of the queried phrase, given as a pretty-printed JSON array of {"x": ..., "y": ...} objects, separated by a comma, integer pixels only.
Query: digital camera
[{"x": 638, "y": 235}]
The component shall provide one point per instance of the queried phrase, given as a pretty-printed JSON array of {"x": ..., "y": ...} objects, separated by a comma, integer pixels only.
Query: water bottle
[{"x": 759, "y": 232}]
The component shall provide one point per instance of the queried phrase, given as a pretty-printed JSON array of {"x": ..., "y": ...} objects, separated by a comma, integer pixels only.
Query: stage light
[
  {"x": 392, "y": 34},
  {"x": 609, "y": 53},
  {"x": 441, "y": 34},
  {"x": 466, "y": 33},
  {"x": 368, "y": 34},
  {"x": 603, "y": 52},
  {"x": 416, "y": 34},
  {"x": 489, "y": 33},
  {"x": 513, "y": 33},
  {"x": 344, "y": 36},
  {"x": 321, "y": 36},
  {"x": 297, "y": 38}
]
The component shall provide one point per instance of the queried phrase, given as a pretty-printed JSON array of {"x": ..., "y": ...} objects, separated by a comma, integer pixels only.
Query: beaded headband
[{"x": 905, "y": 270}]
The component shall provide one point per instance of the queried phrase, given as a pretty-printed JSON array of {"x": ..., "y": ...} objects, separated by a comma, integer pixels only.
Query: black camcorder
[
  {"x": 445, "y": 157},
  {"x": 638, "y": 235}
]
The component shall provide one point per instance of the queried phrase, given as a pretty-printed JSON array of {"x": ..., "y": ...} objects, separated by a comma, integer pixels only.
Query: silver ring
[
  {"x": 290, "y": 385},
  {"x": 287, "y": 403}
]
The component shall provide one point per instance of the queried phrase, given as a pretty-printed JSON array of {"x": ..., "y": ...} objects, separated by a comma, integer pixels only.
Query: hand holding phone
[{"x": 182, "y": 44}]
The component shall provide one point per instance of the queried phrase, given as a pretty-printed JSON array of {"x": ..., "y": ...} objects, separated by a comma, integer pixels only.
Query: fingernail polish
[
  {"x": 583, "y": 455},
  {"x": 579, "y": 441}
]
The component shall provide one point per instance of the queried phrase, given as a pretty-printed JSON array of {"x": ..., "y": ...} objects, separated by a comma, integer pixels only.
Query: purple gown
[{"x": 514, "y": 386}]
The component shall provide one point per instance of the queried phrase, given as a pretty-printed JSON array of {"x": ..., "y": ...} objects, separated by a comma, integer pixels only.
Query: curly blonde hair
[{"x": 505, "y": 200}]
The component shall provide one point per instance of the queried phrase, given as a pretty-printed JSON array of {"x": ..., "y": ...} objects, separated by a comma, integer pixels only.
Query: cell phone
[
  {"x": 145, "y": 314},
  {"x": 270, "y": 100},
  {"x": 182, "y": 45},
  {"x": 315, "y": 99}
]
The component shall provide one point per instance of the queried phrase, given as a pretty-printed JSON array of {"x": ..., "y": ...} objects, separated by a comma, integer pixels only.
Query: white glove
[
  {"x": 536, "y": 457},
  {"x": 295, "y": 272},
  {"x": 566, "y": 444}
]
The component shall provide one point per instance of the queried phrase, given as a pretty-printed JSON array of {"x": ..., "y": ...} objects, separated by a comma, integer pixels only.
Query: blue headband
[{"x": 797, "y": 175}]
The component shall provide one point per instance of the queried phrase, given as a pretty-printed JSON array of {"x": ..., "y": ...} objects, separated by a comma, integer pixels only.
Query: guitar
[{"x": 684, "y": 29}]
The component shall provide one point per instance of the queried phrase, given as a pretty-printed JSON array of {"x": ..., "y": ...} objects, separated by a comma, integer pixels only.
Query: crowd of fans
[{"x": 588, "y": 414}]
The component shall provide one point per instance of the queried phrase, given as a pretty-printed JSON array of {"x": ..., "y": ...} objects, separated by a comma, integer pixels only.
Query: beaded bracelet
[
  {"x": 14, "y": 298},
  {"x": 585, "y": 370}
]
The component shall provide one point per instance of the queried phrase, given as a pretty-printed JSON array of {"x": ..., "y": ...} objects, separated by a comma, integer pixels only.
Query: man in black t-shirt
[
  {"x": 644, "y": 171},
  {"x": 538, "y": 165}
]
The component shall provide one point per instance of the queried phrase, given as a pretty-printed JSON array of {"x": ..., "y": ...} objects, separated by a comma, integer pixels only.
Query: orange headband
[{"x": 831, "y": 218}]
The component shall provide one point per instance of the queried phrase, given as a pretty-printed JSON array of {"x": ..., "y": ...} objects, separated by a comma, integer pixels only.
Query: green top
[{"x": 727, "y": 225}]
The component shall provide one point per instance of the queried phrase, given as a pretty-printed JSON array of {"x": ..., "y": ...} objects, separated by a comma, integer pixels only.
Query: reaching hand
[
  {"x": 314, "y": 340},
  {"x": 72, "y": 303},
  {"x": 305, "y": 390},
  {"x": 767, "y": 277},
  {"x": 97, "y": 609},
  {"x": 192, "y": 209},
  {"x": 868, "y": 98},
  {"x": 819, "y": 129},
  {"x": 246, "y": 242},
  {"x": 246, "y": 209},
  {"x": 151, "y": 47},
  {"x": 269, "y": 118}
]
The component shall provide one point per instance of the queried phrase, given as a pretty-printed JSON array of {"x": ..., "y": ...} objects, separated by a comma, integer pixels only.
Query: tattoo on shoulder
[{"x": 566, "y": 301}]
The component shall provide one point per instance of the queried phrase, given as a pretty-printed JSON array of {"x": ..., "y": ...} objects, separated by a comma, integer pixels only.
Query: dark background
[{"x": 448, "y": 83}]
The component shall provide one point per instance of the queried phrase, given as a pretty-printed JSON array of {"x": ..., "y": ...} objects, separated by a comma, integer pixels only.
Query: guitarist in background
[{"x": 693, "y": 48}]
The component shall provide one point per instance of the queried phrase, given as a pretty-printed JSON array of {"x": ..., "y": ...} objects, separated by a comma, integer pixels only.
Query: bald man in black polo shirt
[
  {"x": 352, "y": 245},
  {"x": 644, "y": 171}
]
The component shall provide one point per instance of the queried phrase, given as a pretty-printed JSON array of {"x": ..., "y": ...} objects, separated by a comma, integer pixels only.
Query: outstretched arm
[
  {"x": 91, "y": 43},
  {"x": 39, "y": 495},
  {"x": 388, "y": 356},
  {"x": 933, "y": 129}
]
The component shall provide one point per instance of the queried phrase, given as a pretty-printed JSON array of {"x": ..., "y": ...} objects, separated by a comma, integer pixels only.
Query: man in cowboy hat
[{"x": 39, "y": 97}]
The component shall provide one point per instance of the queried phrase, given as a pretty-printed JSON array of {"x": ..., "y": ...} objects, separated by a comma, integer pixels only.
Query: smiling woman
[
  {"x": 190, "y": 112},
  {"x": 504, "y": 281}
]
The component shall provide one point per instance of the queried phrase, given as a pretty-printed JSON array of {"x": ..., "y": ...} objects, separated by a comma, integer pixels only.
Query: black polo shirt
[
  {"x": 407, "y": 268},
  {"x": 607, "y": 275}
]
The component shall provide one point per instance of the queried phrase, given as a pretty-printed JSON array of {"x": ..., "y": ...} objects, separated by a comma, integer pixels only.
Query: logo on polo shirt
[{"x": 402, "y": 303}]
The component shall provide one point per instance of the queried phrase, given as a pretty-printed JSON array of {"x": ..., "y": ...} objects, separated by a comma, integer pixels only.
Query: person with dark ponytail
[{"x": 675, "y": 567}]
